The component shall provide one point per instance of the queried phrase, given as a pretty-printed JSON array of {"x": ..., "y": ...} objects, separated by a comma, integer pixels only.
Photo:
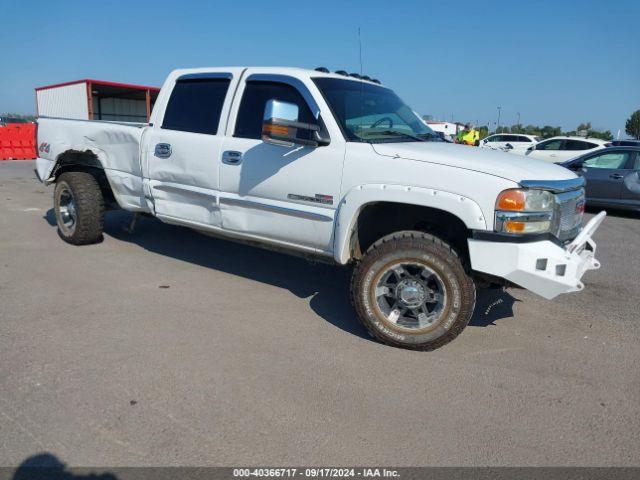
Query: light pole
[
  {"x": 498, "y": 123},
  {"x": 518, "y": 119}
]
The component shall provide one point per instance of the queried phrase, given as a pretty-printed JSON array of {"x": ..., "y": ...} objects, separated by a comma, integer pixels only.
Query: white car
[
  {"x": 336, "y": 168},
  {"x": 509, "y": 142},
  {"x": 559, "y": 149}
]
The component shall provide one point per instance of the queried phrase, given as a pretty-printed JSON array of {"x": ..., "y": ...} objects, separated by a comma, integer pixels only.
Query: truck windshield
[{"x": 371, "y": 113}]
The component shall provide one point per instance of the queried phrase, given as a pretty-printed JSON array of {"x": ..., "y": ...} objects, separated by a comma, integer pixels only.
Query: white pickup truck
[{"x": 335, "y": 167}]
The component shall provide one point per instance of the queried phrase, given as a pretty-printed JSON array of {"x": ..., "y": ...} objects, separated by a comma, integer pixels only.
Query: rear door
[
  {"x": 184, "y": 150},
  {"x": 520, "y": 144},
  {"x": 631, "y": 182},
  {"x": 605, "y": 172}
]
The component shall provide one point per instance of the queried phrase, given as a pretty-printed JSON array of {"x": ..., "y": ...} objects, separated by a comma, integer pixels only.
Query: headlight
[{"x": 524, "y": 211}]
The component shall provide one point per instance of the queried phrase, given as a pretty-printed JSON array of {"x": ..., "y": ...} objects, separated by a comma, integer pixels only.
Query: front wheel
[{"x": 411, "y": 290}]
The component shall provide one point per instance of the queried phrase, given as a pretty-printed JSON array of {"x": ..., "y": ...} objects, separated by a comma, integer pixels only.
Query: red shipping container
[{"x": 18, "y": 141}]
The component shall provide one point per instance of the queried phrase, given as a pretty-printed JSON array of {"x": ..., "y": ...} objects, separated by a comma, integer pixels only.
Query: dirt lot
[{"x": 166, "y": 347}]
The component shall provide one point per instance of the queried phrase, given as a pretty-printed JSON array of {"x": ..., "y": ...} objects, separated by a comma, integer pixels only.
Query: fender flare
[
  {"x": 98, "y": 160},
  {"x": 466, "y": 209}
]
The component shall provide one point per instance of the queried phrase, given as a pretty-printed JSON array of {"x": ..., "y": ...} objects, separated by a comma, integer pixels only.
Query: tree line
[
  {"x": 632, "y": 128},
  {"x": 26, "y": 118}
]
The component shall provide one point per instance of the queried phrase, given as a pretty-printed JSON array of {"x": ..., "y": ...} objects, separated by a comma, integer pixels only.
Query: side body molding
[{"x": 358, "y": 197}]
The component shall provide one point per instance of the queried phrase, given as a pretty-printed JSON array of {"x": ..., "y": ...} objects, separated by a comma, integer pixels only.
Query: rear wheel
[
  {"x": 411, "y": 290},
  {"x": 79, "y": 208}
]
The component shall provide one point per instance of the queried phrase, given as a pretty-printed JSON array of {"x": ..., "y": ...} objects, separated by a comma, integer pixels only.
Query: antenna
[
  {"x": 361, "y": 83},
  {"x": 360, "y": 49}
]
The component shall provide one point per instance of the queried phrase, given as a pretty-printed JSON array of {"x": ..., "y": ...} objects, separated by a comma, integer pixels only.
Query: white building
[
  {"x": 90, "y": 99},
  {"x": 449, "y": 129}
]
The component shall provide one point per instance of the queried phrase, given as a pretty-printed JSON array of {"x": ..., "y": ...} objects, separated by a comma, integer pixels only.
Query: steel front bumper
[{"x": 542, "y": 267}]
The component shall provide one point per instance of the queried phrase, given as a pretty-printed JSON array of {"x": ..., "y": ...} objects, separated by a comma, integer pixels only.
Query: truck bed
[{"x": 116, "y": 147}]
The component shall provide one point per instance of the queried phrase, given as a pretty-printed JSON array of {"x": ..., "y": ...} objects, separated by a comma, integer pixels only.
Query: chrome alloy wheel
[
  {"x": 410, "y": 295},
  {"x": 67, "y": 209}
]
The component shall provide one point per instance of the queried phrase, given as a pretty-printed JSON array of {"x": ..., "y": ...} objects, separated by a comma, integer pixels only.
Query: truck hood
[{"x": 501, "y": 164}]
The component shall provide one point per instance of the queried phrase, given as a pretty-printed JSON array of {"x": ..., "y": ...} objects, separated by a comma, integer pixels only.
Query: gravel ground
[{"x": 166, "y": 347}]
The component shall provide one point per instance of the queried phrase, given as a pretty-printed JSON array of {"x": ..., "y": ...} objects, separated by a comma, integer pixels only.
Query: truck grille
[{"x": 569, "y": 210}]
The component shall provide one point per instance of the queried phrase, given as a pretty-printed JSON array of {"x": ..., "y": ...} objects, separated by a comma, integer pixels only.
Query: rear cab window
[{"x": 195, "y": 105}]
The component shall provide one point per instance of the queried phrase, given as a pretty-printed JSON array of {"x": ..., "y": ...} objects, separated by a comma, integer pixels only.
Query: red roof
[{"x": 101, "y": 82}]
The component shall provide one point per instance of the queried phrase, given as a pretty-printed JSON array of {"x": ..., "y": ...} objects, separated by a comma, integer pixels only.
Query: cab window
[
  {"x": 255, "y": 97},
  {"x": 195, "y": 105},
  {"x": 550, "y": 145}
]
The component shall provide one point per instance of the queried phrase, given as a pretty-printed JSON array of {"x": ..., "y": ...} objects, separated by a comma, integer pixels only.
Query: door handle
[
  {"x": 616, "y": 176},
  {"x": 162, "y": 150},
  {"x": 231, "y": 157}
]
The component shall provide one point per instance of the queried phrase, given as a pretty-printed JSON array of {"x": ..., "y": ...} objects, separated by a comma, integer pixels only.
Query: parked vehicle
[
  {"x": 509, "y": 142},
  {"x": 335, "y": 168},
  {"x": 558, "y": 149},
  {"x": 612, "y": 175}
]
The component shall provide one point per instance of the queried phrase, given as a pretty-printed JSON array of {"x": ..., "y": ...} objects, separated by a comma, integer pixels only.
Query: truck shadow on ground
[
  {"x": 46, "y": 466},
  {"x": 327, "y": 286}
]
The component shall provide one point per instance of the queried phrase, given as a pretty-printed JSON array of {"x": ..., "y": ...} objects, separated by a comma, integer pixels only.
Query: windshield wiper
[
  {"x": 430, "y": 136},
  {"x": 401, "y": 134}
]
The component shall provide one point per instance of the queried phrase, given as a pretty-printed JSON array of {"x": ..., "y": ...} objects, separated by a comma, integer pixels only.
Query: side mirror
[
  {"x": 531, "y": 148},
  {"x": 280, "y": 126},
  {"x": 576, "y": 167},
  {"x": 508, "y": 146}
]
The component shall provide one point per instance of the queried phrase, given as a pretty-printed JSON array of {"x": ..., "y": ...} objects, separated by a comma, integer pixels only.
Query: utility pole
[
  {"x": 518, "y": 119},
  {"x": 498, "y": 123}
]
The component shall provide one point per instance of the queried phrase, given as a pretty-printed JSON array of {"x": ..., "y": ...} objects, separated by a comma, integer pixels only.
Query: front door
[
  {"x": 605, "y": 173},
  {"x": 184, "y": 151},
  {"x": 288, "y": 194},
  {"x": 549, "y": 150},
  {"x": 494, "y": 142}
]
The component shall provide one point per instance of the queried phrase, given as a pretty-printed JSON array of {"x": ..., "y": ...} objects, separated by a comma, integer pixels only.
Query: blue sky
[{"x": 555, "y": 62}]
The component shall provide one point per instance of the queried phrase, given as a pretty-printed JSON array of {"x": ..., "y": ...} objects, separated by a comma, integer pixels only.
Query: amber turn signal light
[
  {"x": 511, "y": 226},
  {"x": 276, "y": 130},
  {"x": 511, "y": 200}
]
